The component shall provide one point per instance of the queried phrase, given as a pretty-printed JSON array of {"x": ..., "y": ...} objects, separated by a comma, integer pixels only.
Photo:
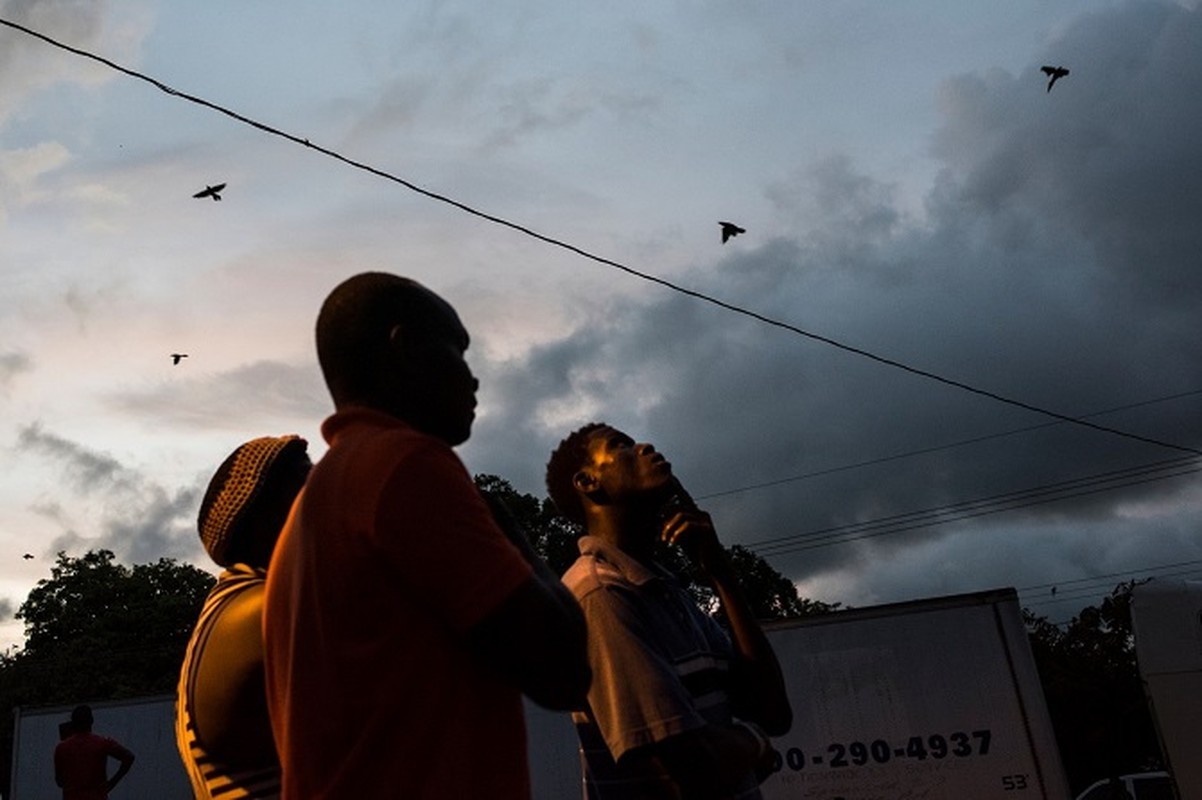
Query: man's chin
[{"x": 662, "y": 490}]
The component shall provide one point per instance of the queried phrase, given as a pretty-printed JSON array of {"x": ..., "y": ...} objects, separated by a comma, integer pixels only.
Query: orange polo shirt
[{"x": 388, "y": 560}]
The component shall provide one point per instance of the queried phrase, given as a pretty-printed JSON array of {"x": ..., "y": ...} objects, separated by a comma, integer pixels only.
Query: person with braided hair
[{"x": 223, "y": 731}]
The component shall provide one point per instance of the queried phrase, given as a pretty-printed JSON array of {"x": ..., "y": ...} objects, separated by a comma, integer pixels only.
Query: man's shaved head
[{"x": 389, "y": 343}]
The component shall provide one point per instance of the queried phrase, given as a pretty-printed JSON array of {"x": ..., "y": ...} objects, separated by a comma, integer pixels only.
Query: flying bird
[
  {"x": 210, "y": 191},
  {"x": 1054, "y": 74},
  {"x": 175, "y": 357},
  {"x": 729, "y": 229},
  {"x": 27, "y": 556}
]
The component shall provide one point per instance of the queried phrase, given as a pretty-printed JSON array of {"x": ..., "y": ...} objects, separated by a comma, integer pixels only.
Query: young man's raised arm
[{"x": 759, "y": 685}]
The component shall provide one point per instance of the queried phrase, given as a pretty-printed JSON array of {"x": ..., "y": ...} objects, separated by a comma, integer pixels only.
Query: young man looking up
[
  {"x": 402, "y": 625},
  {"x": 677, "y": 709}
]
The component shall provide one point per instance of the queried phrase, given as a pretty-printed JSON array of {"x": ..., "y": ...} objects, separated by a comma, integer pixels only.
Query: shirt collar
[
  {"x": 631, "y": 568},
  {"x": 352, "y": 415}
]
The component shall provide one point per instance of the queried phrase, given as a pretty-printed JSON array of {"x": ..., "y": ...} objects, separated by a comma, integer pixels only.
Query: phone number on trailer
[{"x": 879, "y": 751}]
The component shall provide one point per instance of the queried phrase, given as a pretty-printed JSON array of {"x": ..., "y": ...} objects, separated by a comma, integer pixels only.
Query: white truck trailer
[
  {"x": 935, "y": 698},
  {"x": 1167, "y": 618}
]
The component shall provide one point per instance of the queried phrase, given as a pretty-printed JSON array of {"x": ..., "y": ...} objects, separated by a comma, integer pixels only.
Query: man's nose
[{"x": 644, "y": 449}]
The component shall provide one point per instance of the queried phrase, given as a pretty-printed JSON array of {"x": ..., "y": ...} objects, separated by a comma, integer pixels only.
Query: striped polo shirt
[{"x": 660, "y": 667}]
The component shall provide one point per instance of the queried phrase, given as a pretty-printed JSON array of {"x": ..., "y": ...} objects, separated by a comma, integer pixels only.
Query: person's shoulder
[
  {"x": 108, "y": 742},
  {"x": 355, "y": 425},
  {"x": 85, "y": 741},
  {"x": 374, "y": 441},
  {"x": 240, "y": 575},
  {"x": 578, "y": 574},
  {"x": 591, "y": 572}
]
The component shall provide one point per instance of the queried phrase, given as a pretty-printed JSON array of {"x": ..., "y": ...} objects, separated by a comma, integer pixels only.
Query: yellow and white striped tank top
[{"x": 212, "y": 780}]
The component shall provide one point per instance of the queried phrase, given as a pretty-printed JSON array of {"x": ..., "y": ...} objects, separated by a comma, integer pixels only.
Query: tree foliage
[
  {"x": 770, "y": 594},
  {"x": 99, "y": 630},
  {"x": 92, "y": 604},
  {"x": 1094, "y": 692},
  {"x": 552, "y": 536}
]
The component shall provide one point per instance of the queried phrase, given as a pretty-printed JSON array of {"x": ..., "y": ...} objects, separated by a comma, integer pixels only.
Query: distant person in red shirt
[{"x": 81, "y": 760}]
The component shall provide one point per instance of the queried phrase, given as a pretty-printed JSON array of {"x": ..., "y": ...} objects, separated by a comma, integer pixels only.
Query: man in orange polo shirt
[{"x": 402, "y": 625}]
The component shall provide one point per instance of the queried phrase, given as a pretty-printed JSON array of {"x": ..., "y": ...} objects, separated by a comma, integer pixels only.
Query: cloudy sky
[{"x": 910, "y": 189}]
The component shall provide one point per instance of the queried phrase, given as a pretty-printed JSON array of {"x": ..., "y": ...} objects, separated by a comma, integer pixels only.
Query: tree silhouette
[
  {"x": 552, "y": 536},
  {"x": 1094, "y": 692},
  {"x": 99, "y": 630}
]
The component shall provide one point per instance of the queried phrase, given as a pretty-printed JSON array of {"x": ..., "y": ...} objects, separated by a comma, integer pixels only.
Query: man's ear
[
  {"x": 397, "y": 338},
  {"x": 401, "y": 342},
  {"x": 585, "y": 482}
]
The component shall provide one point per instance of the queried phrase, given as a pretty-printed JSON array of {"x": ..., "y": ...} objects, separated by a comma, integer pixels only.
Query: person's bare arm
[
  {"x": 758, "y": 683},
  {"x": 126, "y": 759},
  {"x": 537, "y": 638},
  {"x": 230, "y": 701}
]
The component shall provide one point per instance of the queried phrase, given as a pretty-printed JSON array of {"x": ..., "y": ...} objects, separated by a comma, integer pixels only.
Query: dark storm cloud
[
  {"x": 1057, "y": 264},
  {"x": 162, "y": 525},
  {"x": 138, "y": 519},
  {"x": 260, "y": 394},
  {"x": 1111, "y": 160},
  {"x": 87, "y": 470}
]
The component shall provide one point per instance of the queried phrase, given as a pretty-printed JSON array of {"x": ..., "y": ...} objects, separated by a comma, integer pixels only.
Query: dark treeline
[{"x": 1094, "y": 691}]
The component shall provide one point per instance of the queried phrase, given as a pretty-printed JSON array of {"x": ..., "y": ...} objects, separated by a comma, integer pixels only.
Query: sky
[{"x": 952, "y": 251}]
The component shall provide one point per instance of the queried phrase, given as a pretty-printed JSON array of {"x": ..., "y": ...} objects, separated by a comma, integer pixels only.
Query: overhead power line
[
  {"x": 996, "y": 504},
  {"x": 1048, "y": 594},
  {"x": 1094, "y": 595},
  {"x": 1193, "y": 565},
  {"x": 698, "y": 295},
  {"x": 936, "y": 448}
]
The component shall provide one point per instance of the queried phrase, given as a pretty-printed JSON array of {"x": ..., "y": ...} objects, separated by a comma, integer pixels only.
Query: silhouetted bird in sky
[
  {"x": 211, "y": 191},
  {"x": 175, "y": 357},
  {"x": 1054, "y": 74},
  {"x": 27, "y": 556},
  {"x": 729, "y": 229}
]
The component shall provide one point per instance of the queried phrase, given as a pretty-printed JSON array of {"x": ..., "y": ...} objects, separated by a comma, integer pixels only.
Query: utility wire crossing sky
[{"x": 600, "y": 259}]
